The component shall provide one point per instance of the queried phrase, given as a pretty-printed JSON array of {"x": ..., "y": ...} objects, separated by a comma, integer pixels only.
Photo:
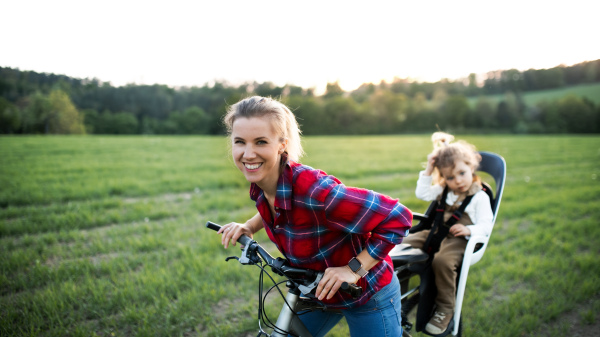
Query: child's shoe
[{"x": 439, "y": 322}]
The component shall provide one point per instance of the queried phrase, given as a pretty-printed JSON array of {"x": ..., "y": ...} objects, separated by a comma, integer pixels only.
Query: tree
[
  {"x": 341, "y": 116},
  {"x": 472, "y": 88},
  {"x": 123, "y": 123},
  {"x": 91, "y": 120},
  {"x": 191, "y": 121},
  {"x": 388, "y": 109},
  {"x": 486, "y": 111},
  {"x": 63, "y": 117},
  {"x": 309, "y": 114},
  {"x": 455, "y": 111},
  {"x": 10, "y": 117},
  {"x": 512, "y": 80},
  {"x": 333, "y": 90},
  {"x": 579, "y": 115},
  {"x": 363, "y": 92},
  {"x": 509, "y": 111},
  {"x": 439, "y": 98}
]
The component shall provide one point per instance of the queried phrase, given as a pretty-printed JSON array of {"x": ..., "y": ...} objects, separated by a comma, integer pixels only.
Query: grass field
[{"x": 104, "y": 236}]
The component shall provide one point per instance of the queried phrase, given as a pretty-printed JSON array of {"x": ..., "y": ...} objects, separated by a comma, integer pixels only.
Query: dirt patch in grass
[{"x": 584, "y": 321}]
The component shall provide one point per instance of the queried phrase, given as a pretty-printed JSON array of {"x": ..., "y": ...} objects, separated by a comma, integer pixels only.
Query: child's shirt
[{"x": 479, "y": 209}]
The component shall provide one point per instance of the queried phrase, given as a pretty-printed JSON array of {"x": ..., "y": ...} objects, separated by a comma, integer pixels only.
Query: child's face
[{"x": 459, "y": 178}]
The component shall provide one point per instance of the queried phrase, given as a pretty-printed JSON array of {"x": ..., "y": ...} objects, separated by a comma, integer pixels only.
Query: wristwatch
[{"x": 357, "y": 267}]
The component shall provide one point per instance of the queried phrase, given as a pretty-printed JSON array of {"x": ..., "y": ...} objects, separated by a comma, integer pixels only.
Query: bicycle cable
[{"x": 262, "y": 314}]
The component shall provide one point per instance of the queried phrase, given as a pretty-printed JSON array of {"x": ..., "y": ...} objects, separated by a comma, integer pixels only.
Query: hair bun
[{"x": 441, "y": 139}]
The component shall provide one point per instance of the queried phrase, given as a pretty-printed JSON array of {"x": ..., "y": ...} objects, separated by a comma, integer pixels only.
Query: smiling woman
[{"x": 317, "y": 222}]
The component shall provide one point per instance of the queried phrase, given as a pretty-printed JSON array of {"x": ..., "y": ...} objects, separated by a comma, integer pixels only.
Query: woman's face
[
  {"x": 460, "y": 178},
  {"x": 257, "y": 150}
]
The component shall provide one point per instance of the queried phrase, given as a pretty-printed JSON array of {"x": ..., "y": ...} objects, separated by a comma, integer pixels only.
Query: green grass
[
  {"x": 590, "y": 91},
  {"x": 104, "y": 236}
]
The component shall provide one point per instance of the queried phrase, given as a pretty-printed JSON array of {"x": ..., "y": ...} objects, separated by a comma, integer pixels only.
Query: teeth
[{"x": 252, "y": 166}]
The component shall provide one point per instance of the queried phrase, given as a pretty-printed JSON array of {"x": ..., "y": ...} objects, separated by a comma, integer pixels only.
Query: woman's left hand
[{"x": 332, "y": 281}]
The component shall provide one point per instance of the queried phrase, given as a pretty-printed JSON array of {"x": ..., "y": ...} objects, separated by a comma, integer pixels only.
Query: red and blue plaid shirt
[{"x": 321, "y": 223}]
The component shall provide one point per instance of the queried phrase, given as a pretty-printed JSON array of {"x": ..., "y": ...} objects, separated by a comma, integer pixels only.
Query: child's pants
[{"x": 445, "y": 264}]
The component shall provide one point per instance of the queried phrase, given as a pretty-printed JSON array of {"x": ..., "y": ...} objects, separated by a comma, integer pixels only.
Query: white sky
[{"x": 306, "y": 43}]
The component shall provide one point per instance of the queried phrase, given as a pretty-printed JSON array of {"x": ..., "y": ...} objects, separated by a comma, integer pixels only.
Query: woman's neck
[{"x": 269, "y": 187}]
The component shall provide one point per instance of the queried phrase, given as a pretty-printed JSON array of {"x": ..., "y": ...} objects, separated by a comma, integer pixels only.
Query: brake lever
[
  {"x": 306, "y": 290},
  {"x": 248, "y": 256}
]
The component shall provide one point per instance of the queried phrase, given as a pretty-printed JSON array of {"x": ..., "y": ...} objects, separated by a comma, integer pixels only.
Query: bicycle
[{"x": 301, "y": 284}]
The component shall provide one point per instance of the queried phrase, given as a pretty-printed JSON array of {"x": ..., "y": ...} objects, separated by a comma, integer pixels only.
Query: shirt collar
[{"x": 283, "y": 198}]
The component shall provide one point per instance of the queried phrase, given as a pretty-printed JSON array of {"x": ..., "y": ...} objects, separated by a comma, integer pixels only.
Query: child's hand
[
  {"x": 430, "y": 161},
  {"x": 460, "y": 230}
]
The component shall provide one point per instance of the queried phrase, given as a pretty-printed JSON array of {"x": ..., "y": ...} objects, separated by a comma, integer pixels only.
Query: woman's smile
[{"x": 252, "y": 166}]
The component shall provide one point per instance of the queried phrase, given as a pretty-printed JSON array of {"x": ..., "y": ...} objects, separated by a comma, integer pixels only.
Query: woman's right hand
[{"x": 232, "y": 232}]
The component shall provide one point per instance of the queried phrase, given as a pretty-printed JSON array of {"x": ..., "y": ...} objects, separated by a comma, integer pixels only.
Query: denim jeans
[{"x": 379, "y": 317}]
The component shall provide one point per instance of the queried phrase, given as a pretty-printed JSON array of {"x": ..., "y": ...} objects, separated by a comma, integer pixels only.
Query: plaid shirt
[{"x": 321, "y": 223}]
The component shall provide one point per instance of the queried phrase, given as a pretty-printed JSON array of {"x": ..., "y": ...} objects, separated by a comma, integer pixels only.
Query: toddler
[{"x": 451, "y": 166}]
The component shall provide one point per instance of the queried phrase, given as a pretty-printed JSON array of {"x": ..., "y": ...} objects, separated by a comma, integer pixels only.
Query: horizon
[
  {"x": 291, "y": 43},
  {"x": 480, "y": 78}
]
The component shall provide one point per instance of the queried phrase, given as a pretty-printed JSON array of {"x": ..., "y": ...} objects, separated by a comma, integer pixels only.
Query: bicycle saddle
[{"x": 404, "y": 254}]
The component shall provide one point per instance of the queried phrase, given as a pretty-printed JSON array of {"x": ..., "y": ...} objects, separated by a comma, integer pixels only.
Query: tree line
[{"x": 40, "y": 103}]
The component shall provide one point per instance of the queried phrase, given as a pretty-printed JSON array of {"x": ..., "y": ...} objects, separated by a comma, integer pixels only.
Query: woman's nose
[{"x": 249, "y": 152}]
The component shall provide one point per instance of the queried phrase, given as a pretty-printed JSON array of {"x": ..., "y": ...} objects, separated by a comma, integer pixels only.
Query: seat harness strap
[{"x": 440, "y": 229}]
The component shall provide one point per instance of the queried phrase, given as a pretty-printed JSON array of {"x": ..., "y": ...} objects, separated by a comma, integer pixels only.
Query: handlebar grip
[
  {"x": 352, "y": 289},
  {"x": 243, "y": 240},
  {"x": 213, "y": 226}
]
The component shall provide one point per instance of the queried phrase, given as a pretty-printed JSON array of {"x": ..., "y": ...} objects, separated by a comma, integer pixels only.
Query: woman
[{"x": 317, "y": 222}]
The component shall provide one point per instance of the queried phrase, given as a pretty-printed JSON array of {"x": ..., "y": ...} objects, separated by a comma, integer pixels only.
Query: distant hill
[{"x": 531, "y": 98}]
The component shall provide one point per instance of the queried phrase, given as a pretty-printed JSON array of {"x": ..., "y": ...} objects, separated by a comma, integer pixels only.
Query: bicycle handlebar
[
  {"x": 279, "y": 265},
  {"x": 244, "y": 239}
]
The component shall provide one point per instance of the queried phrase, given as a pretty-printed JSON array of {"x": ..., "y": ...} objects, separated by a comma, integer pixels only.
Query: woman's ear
[{"x": 283, "y": 146}]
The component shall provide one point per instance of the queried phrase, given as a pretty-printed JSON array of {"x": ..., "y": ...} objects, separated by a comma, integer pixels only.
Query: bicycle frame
[
  {"x": 288, "y": 320},
  {"x": 300, "y": 282}
]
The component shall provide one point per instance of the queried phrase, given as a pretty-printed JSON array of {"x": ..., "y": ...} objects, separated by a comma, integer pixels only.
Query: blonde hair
[
  {"x": 282, "y": 117},
  {"x": 447, "y": 153}
]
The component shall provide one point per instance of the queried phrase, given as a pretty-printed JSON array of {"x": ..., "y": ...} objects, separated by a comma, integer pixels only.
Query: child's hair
[
  {"x": 447, "y": 153},
  {"x": 281, "y": 116}
]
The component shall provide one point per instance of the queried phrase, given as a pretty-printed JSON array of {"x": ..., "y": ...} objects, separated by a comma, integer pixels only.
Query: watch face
[{"x": 354, "y": 264}]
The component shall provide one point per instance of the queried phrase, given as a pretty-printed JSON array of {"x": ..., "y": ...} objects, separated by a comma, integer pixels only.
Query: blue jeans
[{"x": 379, "y": 317}]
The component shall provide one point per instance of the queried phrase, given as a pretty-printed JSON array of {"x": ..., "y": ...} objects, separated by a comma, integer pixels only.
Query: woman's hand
[
  {"x": 232, "y": 231},
  {"x": 460, "y": 230},
  {"x": 430, "y": 163},
  {"x": 332, "y": 281}
]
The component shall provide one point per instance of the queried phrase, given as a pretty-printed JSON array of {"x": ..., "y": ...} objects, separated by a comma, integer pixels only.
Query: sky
[{"x": 305, "y": 43}]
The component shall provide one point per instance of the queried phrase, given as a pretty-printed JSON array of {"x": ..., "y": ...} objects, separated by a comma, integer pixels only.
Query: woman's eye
[
  {"x": 261, "y": 142},
  {"x": 238, "y": 142},
  {"x": 449, "y": 178}
]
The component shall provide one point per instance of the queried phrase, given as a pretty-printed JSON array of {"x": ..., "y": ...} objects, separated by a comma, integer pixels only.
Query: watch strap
[{"x": 360, "y": 271}]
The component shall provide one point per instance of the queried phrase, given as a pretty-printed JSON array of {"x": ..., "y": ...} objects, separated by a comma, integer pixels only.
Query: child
[{"x": 452, "y": 166}]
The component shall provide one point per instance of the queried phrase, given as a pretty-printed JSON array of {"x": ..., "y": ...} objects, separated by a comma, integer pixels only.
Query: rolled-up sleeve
[
  {"x": 425, "y": 190},
  {"x": 361, "y": 211}
]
